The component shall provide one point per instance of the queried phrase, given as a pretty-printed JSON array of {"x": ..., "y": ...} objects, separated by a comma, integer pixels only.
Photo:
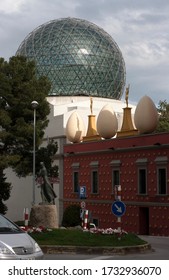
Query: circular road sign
[
  {"x": 83, "y": 204},
  {"x": 118, "y": 208}
]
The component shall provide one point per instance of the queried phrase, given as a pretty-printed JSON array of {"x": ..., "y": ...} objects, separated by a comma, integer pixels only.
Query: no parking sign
[{"x": 83, "y": 204}]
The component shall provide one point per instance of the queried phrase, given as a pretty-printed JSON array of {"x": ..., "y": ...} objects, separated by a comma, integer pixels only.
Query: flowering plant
[
  {"x": 39, "y": 229},
  {"x": 108, "y": 231}
]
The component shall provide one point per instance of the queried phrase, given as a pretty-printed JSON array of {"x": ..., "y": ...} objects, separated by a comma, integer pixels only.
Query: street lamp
[{"x": 34, "y": 106}]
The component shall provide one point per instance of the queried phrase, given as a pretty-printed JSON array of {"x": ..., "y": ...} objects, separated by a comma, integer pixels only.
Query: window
[
  {"x": 75, "y": 177},
  {"x": 116, "y": 177},
  {"x": 115, "y": 180},
  {"x": 95, "y": 222},
  {"x": 115, "y": 164},
  {"x": 75, "y": 181},
  {"x": 162, "y": 186},
  {"x": 142, "y": 175},
  {"x": 162, "y": 174},
  {"x": 94, "y": 181},
  {"x": 142, "y": 181},
  {"x": 94, "y": 177}
]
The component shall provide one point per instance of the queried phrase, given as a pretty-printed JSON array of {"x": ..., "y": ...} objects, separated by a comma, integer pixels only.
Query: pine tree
[
  {"x": 19, "y": 86},
  {"x": 5, "y": 189}
]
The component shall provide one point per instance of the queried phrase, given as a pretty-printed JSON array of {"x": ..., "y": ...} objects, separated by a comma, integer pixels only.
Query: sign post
[
  {"x": 118, "y": 207},
  {"x": 82, "y": 195}
]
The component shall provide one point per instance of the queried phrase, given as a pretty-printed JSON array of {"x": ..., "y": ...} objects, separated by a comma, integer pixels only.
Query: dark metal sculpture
[{"x": 47, "y": 193}]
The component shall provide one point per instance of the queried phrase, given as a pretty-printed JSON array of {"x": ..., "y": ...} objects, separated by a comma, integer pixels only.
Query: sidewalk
[{"x": 52, "y": 249}]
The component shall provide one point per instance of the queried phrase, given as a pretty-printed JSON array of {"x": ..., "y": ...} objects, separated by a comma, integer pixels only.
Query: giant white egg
[
  {"x": 146, "y": 115},
  {"x": 107, "y": 123},
  {"x": 75, "y": 128}
]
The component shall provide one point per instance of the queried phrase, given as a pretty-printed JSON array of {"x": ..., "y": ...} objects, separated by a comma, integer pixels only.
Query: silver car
[{"x": 15, "y": 244}]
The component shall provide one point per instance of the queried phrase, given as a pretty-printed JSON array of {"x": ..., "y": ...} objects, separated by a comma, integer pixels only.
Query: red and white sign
[{"x": 83, "y": 204}]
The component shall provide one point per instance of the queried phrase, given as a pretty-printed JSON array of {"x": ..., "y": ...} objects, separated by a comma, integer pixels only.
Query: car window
[{"x": 6, "y": 226}]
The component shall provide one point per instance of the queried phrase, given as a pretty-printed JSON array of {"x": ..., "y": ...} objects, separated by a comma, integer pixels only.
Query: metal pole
[
  {"x": 34, "y": 106},
  {"x": 34, "y": 143}
]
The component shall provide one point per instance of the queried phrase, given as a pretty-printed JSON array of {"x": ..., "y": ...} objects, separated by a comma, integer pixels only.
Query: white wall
[
  {"x": 61, "y": 109},
  {"x": 22, "y": 195}
]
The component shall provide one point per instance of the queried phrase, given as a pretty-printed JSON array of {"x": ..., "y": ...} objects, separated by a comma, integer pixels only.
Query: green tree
[
  {"x": 46, "y": 155},
  {"x": 19, "y": 86},
  {"x": 5, "y": 189},
  {"x": 163, "y": 110}
]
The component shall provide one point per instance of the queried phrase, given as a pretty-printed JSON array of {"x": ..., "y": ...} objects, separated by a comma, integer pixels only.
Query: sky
[{"x": 139, "y": 27}]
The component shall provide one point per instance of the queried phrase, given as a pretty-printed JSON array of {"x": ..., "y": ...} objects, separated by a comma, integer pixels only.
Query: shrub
[{"x": 71, "y": 216}]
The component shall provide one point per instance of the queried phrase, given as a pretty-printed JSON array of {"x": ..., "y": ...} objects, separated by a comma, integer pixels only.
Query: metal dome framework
[{"x": 78, "y": 57}]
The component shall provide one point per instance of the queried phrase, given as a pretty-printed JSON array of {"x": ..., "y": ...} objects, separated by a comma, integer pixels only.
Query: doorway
[{"x": 144, "y": 220}]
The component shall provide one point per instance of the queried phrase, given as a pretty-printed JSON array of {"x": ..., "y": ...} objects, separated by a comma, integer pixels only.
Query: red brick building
[{"x": 139, "y": 164}]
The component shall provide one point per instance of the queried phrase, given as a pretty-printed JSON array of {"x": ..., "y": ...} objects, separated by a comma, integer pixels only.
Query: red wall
[{"x": 145, "y": 214}]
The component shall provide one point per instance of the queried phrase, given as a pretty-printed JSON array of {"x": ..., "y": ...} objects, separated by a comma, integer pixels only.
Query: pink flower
[
  {"x": 107, "y": 231},
  {"x": 30, "y": 229}
]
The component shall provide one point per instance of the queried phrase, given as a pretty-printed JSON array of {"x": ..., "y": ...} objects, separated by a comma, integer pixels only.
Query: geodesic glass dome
[{"x": 78, "y": 57}]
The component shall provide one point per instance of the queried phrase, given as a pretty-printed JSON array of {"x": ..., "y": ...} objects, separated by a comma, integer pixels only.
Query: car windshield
[{"x": 6, "y": 226}]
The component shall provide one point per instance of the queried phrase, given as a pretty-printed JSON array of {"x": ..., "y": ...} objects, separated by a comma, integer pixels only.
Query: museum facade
[{"x": 139, "y": 164}]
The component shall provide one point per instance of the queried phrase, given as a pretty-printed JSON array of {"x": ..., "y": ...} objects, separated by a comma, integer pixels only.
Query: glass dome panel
[{"x": 78, "y": 57}]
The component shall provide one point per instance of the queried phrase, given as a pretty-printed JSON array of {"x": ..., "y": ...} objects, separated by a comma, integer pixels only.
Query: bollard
[
  {"x": 86, "y": 219},
  {"x": 26, "y": 217}
]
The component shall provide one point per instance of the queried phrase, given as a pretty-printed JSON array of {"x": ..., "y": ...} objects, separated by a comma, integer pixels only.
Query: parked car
[{"x": 15, "y": 244}]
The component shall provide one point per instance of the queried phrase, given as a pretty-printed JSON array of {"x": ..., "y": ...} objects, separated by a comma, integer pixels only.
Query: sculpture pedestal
[
  {"x": 127, "y": 128},
  {"x": 44, "y": 215},
  {"x": 92, "y": 134}
]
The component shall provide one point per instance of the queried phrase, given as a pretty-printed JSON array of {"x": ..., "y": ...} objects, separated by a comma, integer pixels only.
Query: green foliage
[
  {"x": 43, "y": 154},
  {"x": 65, "y": 237},
  {"x": 19, "y": 86},
  {"x": 5, "y": 189},
  {"x": 71, "y": 216},
  {"x": 163, "y": 110},
  {"x": 46, "y": 155}
]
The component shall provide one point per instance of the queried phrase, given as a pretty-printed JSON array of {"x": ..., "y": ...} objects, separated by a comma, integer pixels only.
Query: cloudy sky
[{"x": 139, "y": 27}]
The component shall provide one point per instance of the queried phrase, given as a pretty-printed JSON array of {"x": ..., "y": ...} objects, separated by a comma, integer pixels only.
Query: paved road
[{"x": 160, "y": 251}]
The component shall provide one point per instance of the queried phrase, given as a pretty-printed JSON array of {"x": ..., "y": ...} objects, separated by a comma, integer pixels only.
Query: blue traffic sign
[
  {"x": 83, "y": 192},
  {"x": 118, "y": 208}
]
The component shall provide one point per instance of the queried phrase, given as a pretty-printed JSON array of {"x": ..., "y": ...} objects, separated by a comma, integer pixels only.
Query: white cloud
[
  {"x": 146, "y": 53},
  {"x": 11, "y": 6},
  {"x": 140, "y": 28}
]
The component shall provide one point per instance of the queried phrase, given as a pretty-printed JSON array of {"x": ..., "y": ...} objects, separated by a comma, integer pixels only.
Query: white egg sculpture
[
  {"x": 107, "y": 123},
  {"x": 146, "y": 115},
  {"x": 75, "y": 128}
]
